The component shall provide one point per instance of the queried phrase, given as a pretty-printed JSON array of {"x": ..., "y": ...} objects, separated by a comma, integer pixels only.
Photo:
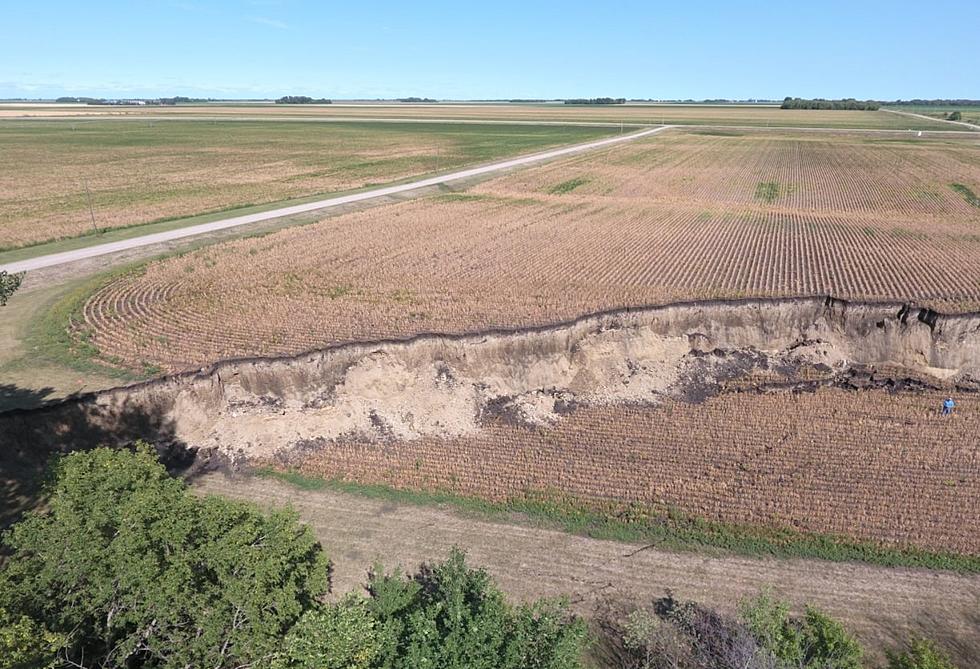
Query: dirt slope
[{"x": 881, "y": 605}]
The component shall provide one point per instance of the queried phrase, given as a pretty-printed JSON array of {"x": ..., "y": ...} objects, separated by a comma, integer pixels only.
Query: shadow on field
[
  {"x": 30, "y": 439},
  {"x": 15, "y": 397}
]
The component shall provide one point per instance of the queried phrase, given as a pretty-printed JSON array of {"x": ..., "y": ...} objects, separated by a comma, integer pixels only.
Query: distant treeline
[
  {"x": 302, "y": 100},
  {"x": 176, "y": 100},
  {"x": 820, "y": 103},
  {"x": 596, "y": 101},
  {"x": 934, "y": 103},
  {"x": 413, "y": 99}
]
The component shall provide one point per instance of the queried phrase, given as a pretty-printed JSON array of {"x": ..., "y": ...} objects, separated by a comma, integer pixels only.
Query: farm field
[
  {"x": 847, "y": 463},
  {"x": 676, "y": 114},
  {"x": 57, "y": 176},
  {"x": 683, "y": 216}
]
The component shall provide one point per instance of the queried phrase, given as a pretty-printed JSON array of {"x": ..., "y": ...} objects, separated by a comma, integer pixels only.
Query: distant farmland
[
  {"x": 750, "y": 115},
  {"x": 689, "y": 215},
  {"x": 57, "y": 176}
]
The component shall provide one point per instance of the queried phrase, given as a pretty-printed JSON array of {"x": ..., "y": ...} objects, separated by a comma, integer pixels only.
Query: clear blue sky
[{"x": 501, "y": 49}]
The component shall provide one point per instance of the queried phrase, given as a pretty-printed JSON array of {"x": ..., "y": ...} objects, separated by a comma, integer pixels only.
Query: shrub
[
  {"x": 135, "y": 570},
  {"x": 341, "y": 636},
  {"x": 920, "y": 654},
  {"x": 451, "y": 616},
  {"x": 27, "y": 644}
]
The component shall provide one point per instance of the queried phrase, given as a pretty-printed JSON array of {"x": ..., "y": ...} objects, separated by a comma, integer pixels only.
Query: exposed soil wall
[{"x": 449, "y": 386}]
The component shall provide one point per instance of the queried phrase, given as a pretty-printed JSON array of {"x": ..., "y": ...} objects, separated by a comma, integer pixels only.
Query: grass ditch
[
  {"x": 567, "y": 186},
  {"x": 664, "y": 528},
  {"x": 967, "y": 193},
  {"x": 55, "y": 336}
]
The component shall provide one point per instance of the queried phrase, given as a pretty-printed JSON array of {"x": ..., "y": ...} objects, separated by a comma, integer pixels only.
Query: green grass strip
[
  {"x": 58, "y": 336},
  {"x": 767, "y": 191},
  {"x": 967, "y": 194},
  {"x": 567, "y": 186},
  {"x": 663, "y": 528}
]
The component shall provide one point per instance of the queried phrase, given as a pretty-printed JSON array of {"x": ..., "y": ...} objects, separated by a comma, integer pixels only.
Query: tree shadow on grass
[
  {"x": 30, "y": 440},
  {"x": 15, "y": 397}
]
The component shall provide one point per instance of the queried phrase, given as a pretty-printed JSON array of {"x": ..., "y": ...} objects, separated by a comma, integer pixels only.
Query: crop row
[
  {"x": 437, "y": 266},
  {"x": 866, "y": 465}
]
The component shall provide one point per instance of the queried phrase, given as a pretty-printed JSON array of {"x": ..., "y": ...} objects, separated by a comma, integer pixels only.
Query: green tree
[
  {"x": 9, "y": 283},
  {"x": 954, "y": 116},
  {"x": 138, "y": 571},
  {"x": 815, "y": 641},
  {"x": 341, "y": 636},
  {"x": 453, "y": 617},
  {"x": 826, "y": 644},
  {"x": 27, "y": 644},
  {"x": 920, "y": 654}
]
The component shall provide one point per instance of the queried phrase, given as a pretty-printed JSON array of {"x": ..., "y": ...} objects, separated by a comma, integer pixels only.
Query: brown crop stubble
[
  {"x": 867, "y": 465},
  {"x": 655, "y": 222}
]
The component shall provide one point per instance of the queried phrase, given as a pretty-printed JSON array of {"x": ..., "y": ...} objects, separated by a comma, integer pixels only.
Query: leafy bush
[
  {"x": 9, "y": 283},
  {"x": 451, "y": 616},
  {"x": 342, "y": 636},
  {"x": 921, "y": 654},
  {"x": 815, "y": 641},
  {"x": 136, "y": 570},
  {"x": 27, "y": 644}
]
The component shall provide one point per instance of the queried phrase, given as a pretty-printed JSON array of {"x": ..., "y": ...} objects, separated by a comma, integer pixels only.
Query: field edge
[{"x": 664, "y": 528}]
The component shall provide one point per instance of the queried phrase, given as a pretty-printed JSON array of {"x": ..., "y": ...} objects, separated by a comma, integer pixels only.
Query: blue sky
[{"x": 502, "y": 49}]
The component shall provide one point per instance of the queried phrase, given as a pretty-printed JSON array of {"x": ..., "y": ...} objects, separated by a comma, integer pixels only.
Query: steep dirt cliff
[{"x": 450, "y": 386}]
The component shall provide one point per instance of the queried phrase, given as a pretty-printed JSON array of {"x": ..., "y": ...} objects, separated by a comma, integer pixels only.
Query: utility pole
[{"x": 91, "y": 209}]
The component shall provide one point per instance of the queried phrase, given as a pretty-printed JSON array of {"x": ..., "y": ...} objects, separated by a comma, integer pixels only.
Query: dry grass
[
  {"x": 670, "y": 218},
  {"x": 136, "y": 171}
]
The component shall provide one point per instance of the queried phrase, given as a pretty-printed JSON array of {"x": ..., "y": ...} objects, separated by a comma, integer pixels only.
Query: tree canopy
[
  {"x": 126, "y": 568},
  {"x": 9, "y": 283}
]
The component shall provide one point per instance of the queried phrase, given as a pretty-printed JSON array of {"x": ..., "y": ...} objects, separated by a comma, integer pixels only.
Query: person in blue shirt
[{"x": 948, "y": 405}]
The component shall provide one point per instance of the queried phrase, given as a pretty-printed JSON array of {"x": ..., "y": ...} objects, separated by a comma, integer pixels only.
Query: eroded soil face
[{"x": 656, "y": 406}]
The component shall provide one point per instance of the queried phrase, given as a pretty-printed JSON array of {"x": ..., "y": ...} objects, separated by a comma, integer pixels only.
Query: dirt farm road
[
  {"x": 190, "y": 231},
  {"x": 883, "y": 606}
]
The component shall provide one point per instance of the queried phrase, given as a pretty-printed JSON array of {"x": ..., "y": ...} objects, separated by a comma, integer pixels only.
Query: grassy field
[
  {"x": 686, "y": 215},
  {"x": 62, "y": 179},
  {"x": 751, "y": 115},
  {"x": 968, "y": 114}
]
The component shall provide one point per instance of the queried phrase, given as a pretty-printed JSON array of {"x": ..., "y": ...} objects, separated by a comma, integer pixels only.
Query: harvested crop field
[
  {"x": 686, "y": 215},
  {"x": 64, "y": 178},
  {"x": 676, "y": 114},
  {"x": 870, "y": 465}
]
